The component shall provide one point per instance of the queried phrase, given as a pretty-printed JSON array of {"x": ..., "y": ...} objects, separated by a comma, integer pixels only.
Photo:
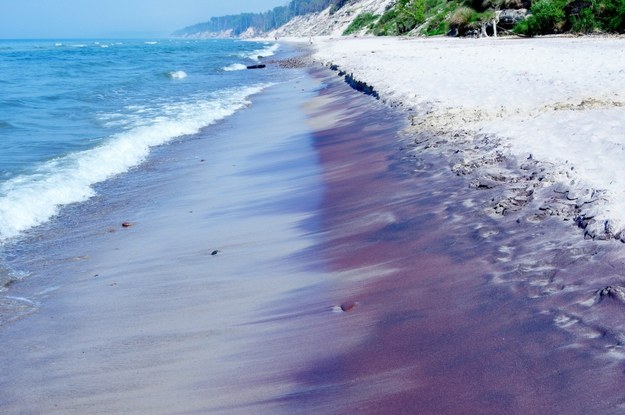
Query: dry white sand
[{"x": 560, "y": 100}]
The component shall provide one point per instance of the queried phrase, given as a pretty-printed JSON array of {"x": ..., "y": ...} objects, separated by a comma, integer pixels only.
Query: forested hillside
[{"x": 235, "y": 25}]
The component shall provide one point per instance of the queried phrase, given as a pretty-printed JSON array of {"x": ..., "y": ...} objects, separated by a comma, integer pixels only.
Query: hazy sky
[{"x": 114, "y": 18}]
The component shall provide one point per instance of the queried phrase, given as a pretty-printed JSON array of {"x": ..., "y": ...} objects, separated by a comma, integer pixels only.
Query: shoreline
[
  {"x": 350, "y": 273},
  {"x": 147, "y": 318},
  {"x": 494, "y": 104},
  {"x": 444, "y": 300}
]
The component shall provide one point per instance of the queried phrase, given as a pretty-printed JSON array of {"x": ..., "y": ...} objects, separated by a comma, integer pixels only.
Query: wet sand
[
  {"x": 150, "y": 319},
  {"x": 449, "y": 309},
  {"x": 458, "y": 311}
]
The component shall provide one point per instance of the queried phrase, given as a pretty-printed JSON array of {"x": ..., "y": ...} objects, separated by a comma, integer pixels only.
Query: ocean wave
[
  {"x": 235, "y": 67},
  {"x": 30, "y": 200},
  {"x": 266, "y": 52},
  {"x": 263, "y": 53},
  {"x": 177, "y": 74}
]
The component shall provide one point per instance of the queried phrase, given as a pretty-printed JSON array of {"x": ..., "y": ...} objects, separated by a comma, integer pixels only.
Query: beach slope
[{"x": 556, "y": 101}]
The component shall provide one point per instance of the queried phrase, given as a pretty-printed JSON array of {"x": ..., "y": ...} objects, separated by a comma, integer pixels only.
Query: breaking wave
[{"x": 31, "y": 199}]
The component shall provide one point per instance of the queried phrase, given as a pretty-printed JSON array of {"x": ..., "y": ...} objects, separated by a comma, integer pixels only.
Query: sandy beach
[
  {"x": 556, "y": 101},
  {"x": 456, "y": 311},
  {"x": 325, "y": 252}
]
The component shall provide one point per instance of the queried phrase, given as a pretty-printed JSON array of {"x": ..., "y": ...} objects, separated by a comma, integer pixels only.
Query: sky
[{"x": 114, "y": 18}]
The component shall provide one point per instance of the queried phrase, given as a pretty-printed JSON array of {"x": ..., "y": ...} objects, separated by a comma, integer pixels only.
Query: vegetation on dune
[
  {"x": 547, "y": 17},
  {"x": 430, "y": 17},
  {"x": 478, "y": 17},
  {"x": 578, "y": 16},
  {"x": 438, "y": 13},
  {"x": 362, "y": 21},
  {"x": 401, "y": 18}
]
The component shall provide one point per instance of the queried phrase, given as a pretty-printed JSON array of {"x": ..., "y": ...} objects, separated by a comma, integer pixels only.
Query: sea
[{"x": 77, "y": 113}]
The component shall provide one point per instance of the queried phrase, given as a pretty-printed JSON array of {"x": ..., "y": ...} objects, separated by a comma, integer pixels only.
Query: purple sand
[{"x": 468, "y": 313}]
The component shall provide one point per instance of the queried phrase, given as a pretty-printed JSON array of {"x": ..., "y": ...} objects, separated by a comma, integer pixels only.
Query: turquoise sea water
[{"x": 74, "y": 113}]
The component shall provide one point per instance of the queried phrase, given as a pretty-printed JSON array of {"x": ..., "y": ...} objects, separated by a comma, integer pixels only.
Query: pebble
[{"x": 344, "y": 307}]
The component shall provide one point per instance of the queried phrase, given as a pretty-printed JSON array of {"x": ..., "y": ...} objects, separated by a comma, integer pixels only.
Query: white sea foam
[
  {"x": 151, "y": 43},
  {"x": 177, "y": 74},
  {"x": 266, "y": 52},
  {"x": 30, "y": 200},
  {"x": 270, "y": 50},
  {"x": 235, "y": 67}
]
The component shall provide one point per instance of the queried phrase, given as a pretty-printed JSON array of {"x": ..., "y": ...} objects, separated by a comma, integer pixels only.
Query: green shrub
[
  {"x": 360, "y": 22},
  {"x": 584, "y": 22},
  {"x": 433, "y": 4},
  {"x": 437, "y": 24},
  {"x": 547, "y": 17},
  {"x": 412, "y": 10},
  {"x": 386, "y": 25},
  {"x": 463, "y": 19},
  {"x": 436, "y": 13},
  {"x": 611, "y": 15},
  {"x": 404, "y": 16},
  {"x": 436, "y": 17}
]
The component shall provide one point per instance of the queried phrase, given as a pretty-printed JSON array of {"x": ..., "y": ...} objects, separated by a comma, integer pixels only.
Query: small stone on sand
[
  {"x": 348, "y": 306},
  {"x": 344, "y": 307}
]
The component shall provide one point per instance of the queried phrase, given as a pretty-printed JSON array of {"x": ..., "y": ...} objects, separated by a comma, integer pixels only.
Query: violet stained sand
[
  {"x": 454, "y": 311},
  {"x": 314, "y": 202}
]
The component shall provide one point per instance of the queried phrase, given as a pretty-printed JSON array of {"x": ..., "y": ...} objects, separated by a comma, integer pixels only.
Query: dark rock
[
  {"x": 582, "y": 222},
  {"x": 361, "y": 86},
  {"x": 610, "y": 292},
  {"x": 576, "y": 6},
  {"x": 508, "y": 18},
  {"x": 9, "y": 282},
  {"x": 348, "y": 306},
  {"x": 260, "y": 66},
  {"x": 470, "y": 32},
  {"x": 483, "y": 183}
]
